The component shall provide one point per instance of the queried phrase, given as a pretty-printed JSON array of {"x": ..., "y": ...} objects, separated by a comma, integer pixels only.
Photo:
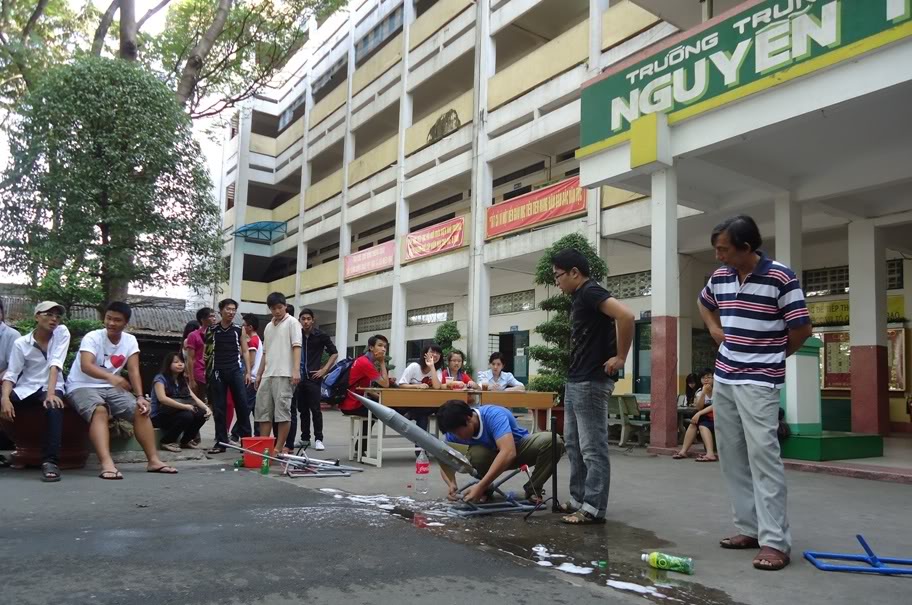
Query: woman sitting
[
  {"x": 496, "y": 379},
  {"x": 702, "y": 421},
  {"x": 175, "y": 409},
  {"x": 423, "y": 375},
  {"x": 453, "y": 376},
  {"x": 691, "y": 386}
]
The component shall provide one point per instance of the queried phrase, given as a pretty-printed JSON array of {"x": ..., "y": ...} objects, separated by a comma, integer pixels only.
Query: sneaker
[
  {"x": 318, "y": 445},
  {"x": 171, "y": 447},
  {"x": 236, "y": 441}
]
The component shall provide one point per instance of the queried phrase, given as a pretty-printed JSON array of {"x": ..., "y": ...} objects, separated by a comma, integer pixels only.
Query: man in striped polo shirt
[{"x": 755, "y": 311}]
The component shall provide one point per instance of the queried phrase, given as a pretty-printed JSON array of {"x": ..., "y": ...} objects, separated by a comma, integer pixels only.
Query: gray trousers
[
  {"x": 586, "y": 438},
  {"x": 747, "y": 417}
]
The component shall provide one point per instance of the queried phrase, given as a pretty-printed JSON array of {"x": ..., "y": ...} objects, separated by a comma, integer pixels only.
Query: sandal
[
  {"x": 739, "y": 542},
  {"x": 170, "y": 447},
  {"x": 582, "y": 518},
  {"x": 705, "y": 458},
  {"x": 4, "y": 462},
  {"x": 679, "y": 456},
  {"x": 771, "y": 559},
  {"x": 216, "y": 450},
  {"x": 164, "y": 470},
  {"x": 50, "y": 472},
  {"x": 567, "y": 508},
  {"x": 110, "y": 475}
]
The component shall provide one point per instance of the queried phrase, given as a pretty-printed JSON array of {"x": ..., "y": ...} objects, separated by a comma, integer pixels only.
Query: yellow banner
[{"x": 836, "y": 312}]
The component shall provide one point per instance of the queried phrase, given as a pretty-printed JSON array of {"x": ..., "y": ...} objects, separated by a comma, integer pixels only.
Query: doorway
[
  {"x": 642, "y": 359},
  {"x": 515, "y": 348}
]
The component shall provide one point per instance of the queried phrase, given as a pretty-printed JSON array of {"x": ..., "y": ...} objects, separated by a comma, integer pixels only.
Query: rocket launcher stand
[
  {"x": 303, "y": 466},
  {"x": 866, "y": 563},
  {"x": 449, "y": 457}
]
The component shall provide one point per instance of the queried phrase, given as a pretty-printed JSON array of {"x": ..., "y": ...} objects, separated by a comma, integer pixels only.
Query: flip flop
[
  {"x": 678, "y": 456},
  {"x": 567, "y": 508},
  {"x": 771, "y": 559},
  {"x": 111, "y": 475},
  {"x": 4, "y": 462},
  {"x": 739, "y": 542},
  {"x": 216, "y": 450},
  {"x": 582, "y": 518},
  {"x": 50, "y": 472},
  {"x": 705, "y": 458},
  {"x": 164, "y": 470}
]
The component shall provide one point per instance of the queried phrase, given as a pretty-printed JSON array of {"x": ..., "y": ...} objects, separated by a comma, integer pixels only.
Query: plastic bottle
[
  {"x": 239, "y": 463},
  {"x": 264, "y": 467},
  {"x": 670, "y": 562},
  {"x": 422, "y": 470}
]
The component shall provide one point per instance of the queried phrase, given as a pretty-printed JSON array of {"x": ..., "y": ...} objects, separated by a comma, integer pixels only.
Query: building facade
[{"x": 424, "y": 153}]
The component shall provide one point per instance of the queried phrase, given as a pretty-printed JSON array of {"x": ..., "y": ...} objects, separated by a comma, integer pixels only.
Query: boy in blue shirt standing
[{"x": 496, "y": 444}]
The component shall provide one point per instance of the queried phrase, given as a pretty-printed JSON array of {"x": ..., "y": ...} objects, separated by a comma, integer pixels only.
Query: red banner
[
  {"x": 545, "y": 205},
  {"x": 376, "y": 258},
  {"x": 448, "y": 235}
]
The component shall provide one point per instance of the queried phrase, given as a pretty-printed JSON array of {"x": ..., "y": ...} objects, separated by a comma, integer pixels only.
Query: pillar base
[
  {"x": 832, "y": 445},
  {"x": 870, "y": 390},
  {"x": 663, "y": 430}
]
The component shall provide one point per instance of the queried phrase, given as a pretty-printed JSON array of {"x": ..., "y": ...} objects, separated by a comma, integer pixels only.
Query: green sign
[{"x": 764, "y": 45}]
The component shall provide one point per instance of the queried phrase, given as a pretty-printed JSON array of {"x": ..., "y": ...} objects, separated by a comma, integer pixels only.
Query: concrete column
[
  {"x": 482, "y": 191},
  {"x": 665, "y": 309},
  {"x": 802, "y": 413},
  {"x": 596, "y": 8},
  {"x": 305, "y": 183},
  {"x": 236, "y": 271},
  {"x": 348, "y": 154},
  {"x": 868, "y": 326}
]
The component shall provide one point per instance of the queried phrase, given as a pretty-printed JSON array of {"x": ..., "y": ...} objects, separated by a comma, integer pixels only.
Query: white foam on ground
[
  {"x": 546, "y": 563},
  {"x": 574, "y": 569},
  {"x": 637, "y": 588},
  {"x": 435, "y": 524}
]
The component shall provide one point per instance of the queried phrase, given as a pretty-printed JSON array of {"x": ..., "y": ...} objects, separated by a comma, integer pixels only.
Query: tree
[
  {"x": 106, "y": 179},
  {"x": 554, "y": 358}
]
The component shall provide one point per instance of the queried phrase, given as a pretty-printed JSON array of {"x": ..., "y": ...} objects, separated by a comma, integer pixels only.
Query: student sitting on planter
[
  {"x": 175, "y": 409},
  {"x": 496, "y": 379},
  {"x": 99, "y": 392},
  {"x": 33, "y": 378}
]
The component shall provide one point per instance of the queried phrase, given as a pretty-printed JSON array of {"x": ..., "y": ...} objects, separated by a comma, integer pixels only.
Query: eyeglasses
[
  {"x": 557, "y": 276},
  {"x": 54, "y": 314}
]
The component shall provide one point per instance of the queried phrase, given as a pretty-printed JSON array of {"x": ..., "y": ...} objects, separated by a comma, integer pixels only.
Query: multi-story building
[{"x": 424, "y": 154}]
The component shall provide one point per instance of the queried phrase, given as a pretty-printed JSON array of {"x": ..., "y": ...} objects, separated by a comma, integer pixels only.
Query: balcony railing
[
  {"x": 435, "y": 19},
  {"x": 321, "y": 276},
  {"x": 323, "y": 190},
  {"x": 445, "y": 120},
  {"x": 375, "y": 160},
  {"x": 379, "y": 64}
]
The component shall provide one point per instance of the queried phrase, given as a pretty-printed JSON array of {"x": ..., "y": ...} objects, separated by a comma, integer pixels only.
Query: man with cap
[{"x": 34, "y": 378}]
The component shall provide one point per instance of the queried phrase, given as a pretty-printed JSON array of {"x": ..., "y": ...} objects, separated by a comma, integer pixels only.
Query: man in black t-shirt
[
  {"x": 601, "y": 333},
  {"x": 227, "y": 369}
]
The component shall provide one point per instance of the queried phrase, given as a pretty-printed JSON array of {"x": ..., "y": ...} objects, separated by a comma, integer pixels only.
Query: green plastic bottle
[
  {"x": 660, "y": 560},
  {"x": 264, "y": 467}
]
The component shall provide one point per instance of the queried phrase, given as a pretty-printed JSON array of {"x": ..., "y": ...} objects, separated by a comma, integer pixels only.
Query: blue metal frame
[
  {"x": 261, "y": 231},
  {"x": 875, "y": 564}
]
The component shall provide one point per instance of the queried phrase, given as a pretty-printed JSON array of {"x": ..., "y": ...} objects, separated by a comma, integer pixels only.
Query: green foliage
[
  {"x": 107, "y": 185},
  {"x": 69, "y": 287},
  {"x": 554, "y": 358},
  {"x": 446, "y": 335},
  {"x": 256, "y": 43}
]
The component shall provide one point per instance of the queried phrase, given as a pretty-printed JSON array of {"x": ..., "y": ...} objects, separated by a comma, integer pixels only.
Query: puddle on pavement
[{"x": 608, "y": 555}]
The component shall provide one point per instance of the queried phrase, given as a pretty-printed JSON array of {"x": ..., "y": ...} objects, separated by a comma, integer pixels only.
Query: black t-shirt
[
  {"x": 593, "y": 336},
  {"x": 227, "y": 350}
]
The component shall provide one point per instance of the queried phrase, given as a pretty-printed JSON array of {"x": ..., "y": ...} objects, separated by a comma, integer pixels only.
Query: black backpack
[{"x": 335, "y": 384}]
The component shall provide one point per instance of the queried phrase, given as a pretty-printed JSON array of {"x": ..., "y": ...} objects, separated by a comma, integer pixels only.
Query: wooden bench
[{"x": 624, "y": 411}]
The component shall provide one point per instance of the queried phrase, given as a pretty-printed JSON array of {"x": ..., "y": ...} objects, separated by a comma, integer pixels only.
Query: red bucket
[{"x": 256, "y": 444}]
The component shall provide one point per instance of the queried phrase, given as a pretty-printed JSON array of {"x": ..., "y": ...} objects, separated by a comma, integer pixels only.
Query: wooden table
[{"x": 433, "y": 398}]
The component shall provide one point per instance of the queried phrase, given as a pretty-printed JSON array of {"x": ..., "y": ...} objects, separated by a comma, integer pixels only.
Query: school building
[{"x": 422, "y": 154}]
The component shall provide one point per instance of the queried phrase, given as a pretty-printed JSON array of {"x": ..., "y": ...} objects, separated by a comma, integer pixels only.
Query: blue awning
[{"x": 262, "y": 231}]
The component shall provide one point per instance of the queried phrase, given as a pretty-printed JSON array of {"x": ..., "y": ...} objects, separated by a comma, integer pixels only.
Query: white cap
[{"x": 48, "y": 305}]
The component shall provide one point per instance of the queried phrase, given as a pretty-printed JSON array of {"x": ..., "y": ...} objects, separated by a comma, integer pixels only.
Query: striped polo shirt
[{"x": 756, "y": 317}]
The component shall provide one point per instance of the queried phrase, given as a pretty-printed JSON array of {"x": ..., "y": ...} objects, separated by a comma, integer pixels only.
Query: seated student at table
[
  {"x": 453, "y": 376},
  {"x": 367, "y": 371},
  {"x": 496, "y": 379},
  {"x": 496, "y": 444},
  {"x": 34, "y": 379},
  {"x": 176, "y": 410},
  {"x": 425, "y": 374},
  {"x": 703, "y": 421},
  {"x": 691, "y": 386}
]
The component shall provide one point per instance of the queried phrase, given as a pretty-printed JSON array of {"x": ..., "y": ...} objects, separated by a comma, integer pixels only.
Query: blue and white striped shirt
[{"x": 756, "y": 317}]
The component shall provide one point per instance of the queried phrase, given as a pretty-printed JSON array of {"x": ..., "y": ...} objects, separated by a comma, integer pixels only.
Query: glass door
[{"x": 642, "y": 360}]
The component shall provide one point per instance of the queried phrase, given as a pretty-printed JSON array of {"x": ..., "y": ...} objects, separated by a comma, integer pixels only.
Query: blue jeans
[
  {"x": 219, "y": 384},
  {"x": 586, "y": 438}
]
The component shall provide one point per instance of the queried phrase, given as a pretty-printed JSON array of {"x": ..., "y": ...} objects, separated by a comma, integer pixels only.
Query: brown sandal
[
  {"x": 705, "y": 458},
  {"x": 739, "y": 542},
  {"x": 679, "y": 456},
  {"x": 771, "y": 559}
]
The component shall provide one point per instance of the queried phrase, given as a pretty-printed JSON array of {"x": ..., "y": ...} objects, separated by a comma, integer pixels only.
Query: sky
[{"x": 212, "y": 150}]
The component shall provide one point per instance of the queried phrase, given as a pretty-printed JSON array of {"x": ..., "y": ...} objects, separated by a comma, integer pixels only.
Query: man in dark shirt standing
[
  {"x": 314, "y": 343},
  {"x": 601, "y": 333},
  {"x": 227, "y": 368}
]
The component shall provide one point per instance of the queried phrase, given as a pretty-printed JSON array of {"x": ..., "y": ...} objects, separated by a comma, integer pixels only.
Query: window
[
  {"x": 493, "y": 343},
  {"x": 895, "y": 274},
  {"x": 830, "y": 280},
  {"x": 375, "y": 323},
  {"x": 530, "y": 169},
  {"x": 375, "y": 38},
  {"x": 414, "y": 348},
  {"x": 514, "y": 302},
  {"x": 329, "y": 329},
  {"x": 429, "y": 315},
  {"x": 630, "y": 285},
  {"x": 517, "y": 192}
]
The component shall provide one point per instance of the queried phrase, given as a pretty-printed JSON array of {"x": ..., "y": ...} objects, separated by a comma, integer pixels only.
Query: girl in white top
[
  {"x": 496, "y": 379},
  {"x": 424, "y": 375}
]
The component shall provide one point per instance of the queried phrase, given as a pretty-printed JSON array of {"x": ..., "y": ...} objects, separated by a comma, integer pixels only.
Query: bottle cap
[{"x": 644, "y": 557}]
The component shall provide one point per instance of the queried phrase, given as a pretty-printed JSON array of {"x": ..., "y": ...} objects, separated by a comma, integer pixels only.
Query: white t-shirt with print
[
  {"x": 414, "y": 375},
  {"x": 110, "y": 357}
]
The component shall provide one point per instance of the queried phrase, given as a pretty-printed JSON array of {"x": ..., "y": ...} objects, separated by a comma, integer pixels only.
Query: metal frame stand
[
  {"x": 303, "y": 466},
  {"x": 508, "y": 505},
  {"x": 875, "y": 564}
]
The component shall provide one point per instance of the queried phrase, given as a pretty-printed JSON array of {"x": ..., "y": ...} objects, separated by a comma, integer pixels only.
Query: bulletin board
[{"x": 836, "y": 362}]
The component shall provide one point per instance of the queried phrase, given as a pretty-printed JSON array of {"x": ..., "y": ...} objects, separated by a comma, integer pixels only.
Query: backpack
[{"x": 335, "y": 384}]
